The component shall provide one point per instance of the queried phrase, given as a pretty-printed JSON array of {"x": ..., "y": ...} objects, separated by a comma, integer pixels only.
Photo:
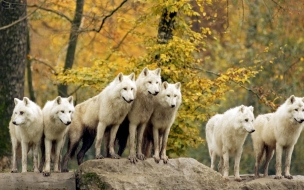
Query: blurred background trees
[{"x": 225, "y": 53}]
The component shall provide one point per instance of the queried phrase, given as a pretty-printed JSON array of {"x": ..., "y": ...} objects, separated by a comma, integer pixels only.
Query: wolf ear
[
  {"x": 157, "y": 71},
  {"x": 16, "y": 100},
  {"x": 119, "y": 77},
  {"x": 178, "y": 85},
  {"x": 26, "y": 101},
  {"x": 251, "y": 108},
  {"x": 132, "y": 76},
  {"x": 58, "y": 100},
  {"x": 165, "y": 85},
  {"x": 242, "y": 108},
  {"x": 292, "y": 99},
  {"x": 70, "y": 99},
  {"x": 145, "y": 71}
]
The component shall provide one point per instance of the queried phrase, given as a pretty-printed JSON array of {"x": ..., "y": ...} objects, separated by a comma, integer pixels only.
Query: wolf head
[
  {"x": 22, "y": 111},
  {"x": 170, "y": 95},
  {"x": 127, "y": 86},
  {"x": 64, "y": 108},
  {"x": 149, "y": 81},
  {"x": 296, "y": 108},
  {"x": 246, "y": 117}
]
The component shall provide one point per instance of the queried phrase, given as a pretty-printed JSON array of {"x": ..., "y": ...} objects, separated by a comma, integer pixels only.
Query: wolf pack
[{"x": 139, "y": 113}]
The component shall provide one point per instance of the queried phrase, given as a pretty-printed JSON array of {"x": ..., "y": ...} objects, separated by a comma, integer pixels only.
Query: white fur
[
  {"x": 26, "y": 128},
  {"x": 225, "y": 134},
  {"x": 277, "y": 131},
  {"x": 57, "y": 116},
  {"x": 168, "y": 102},
  {"x": 148, "y": 86}
]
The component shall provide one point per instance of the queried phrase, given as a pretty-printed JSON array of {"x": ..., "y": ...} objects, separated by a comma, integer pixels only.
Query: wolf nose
[
  {"x": 14, "y": 122},
  {"x": 252, "y": 131},
  {"x": 156, "y": 93},
  {"x": 172, "y": 106},
  {"x": 68, "y": 123},
  {"x": 302, "y": 120}
]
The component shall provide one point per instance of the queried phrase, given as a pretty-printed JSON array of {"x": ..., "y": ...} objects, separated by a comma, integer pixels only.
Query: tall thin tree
[{"x": 13, "y": 44}]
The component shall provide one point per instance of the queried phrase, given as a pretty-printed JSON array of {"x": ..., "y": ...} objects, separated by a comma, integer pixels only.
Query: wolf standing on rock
[
  {"x": 26, "y": 128},
  {"x": 106, "y": 110},
  {"x": 57, "y": 116},
  {"x": 277, "y": 131},
  {"x": 148, "y": 86},
  {"x": 226, "y": 134},
  {"x": 167, "y": 104}
]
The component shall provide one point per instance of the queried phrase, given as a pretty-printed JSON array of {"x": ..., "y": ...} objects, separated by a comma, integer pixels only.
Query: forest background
[{"x": 225, "y": 54}]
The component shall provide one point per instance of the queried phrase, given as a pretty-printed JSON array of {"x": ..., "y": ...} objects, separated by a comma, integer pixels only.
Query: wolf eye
[
  {"x": 168, "y": 95},
  {"x": 131, "y": 88},
  {"x": 125, "y": 88},
  {"x": 70, "y": 111},
  {"x": 150, "y": 82},
  {"x": 175, "y": 96},
  {"x": 21, "y": 113},
  {"x": 296, "y": 109},
  {"x": 156, "y": 82},
  {"x": 62, "y": 111},
  {"x": 246, "y": 120}
]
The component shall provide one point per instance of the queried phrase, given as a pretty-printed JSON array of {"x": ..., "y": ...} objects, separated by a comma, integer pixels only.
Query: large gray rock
[
  {"x": 31, "y": 180},
  {"x": 180, "y": 173}
]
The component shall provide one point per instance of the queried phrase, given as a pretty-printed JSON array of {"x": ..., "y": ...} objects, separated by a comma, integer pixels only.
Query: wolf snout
[
  {"x": 252, "y": 131},
  {"x": 68, "y": 123},
  {"x": 128, "y": 101},
  {"x": 14, "y": 122},
  {"x": 154, "y": 94},
  {"x": 173, "y": 105}
]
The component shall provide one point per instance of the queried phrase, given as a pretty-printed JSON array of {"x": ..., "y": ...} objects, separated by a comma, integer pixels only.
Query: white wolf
[
  {"x": 148, "y": 86},
  {"x": 107, "y": 109},
  {"x": 167, "y": 104},
  {"x": 57, "y": 116},
  {"x": 277, "y": 131},
  {"x": 26, "y": 128},
  {"x": 226, "y": 134}
]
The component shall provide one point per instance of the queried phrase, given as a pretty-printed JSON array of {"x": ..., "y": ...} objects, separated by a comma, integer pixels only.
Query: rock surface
[
  {"x": 31, "y": 180},
  {"x": 180, "y": 173}
]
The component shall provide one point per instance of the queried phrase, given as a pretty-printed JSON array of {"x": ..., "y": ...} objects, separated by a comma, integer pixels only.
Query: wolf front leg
[
  {"x": 289, "y": 151},
  {"x": 58, "y": 149},
  {"x": 48, "y": 148},
  {"x": 14, "y": 157},
  {"x": 112, "y": 140},
  {"x": 156, "y": 144},
  {"x": 226, "y": 165},
  {"x": 35, "y": 157},
  {"x": 132, "y": 132},
  {"x": 279, "y": 151},
  {"x": 140, "y": 134},
  {"x": 100, "y": 132},
  {"x": 163, "y": 154},
  {"x": 237, "y": 164},
  {"x": 24, "y": 147}
]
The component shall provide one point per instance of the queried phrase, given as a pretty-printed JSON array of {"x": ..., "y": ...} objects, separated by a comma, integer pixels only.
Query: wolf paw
[
  {"x": 165, "y": 159},
  {"x": 115, "y": 156},
  {"x": 99, "y": 157},
  {"x": 278, "y": 177},
  {"x": 14, "y": 171},
  {"x": 288, "y": 176},
  {"x": 141, "y": 156},
  {"x": 46, "y": 174},
  {"x": 226, "y": 178},
  {"x": 156, "y": 159},
  {"x": 64, "y": 170},
  {"x": 132, "y": 159},
  {"x": 238, "y": 179}
]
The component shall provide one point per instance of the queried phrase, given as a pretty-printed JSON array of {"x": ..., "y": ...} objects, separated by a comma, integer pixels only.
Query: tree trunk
[
  {"x": 12, "y": 63},
  {"x": 63, "y": 89}
]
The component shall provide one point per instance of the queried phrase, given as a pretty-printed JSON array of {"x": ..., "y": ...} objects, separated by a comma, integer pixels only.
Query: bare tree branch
[
  {"x": 105, "y": 18},
  {"x": 52, "y": 11}
]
